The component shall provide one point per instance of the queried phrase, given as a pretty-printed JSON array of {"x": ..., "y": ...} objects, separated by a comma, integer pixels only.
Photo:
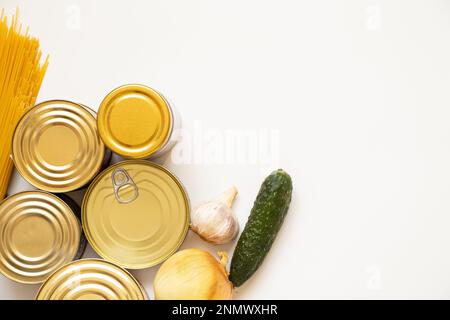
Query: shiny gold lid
[
  {"x": 56, "y": 146},
  {"x": 135, "y": 214},
  {"x": 134, "y": 121},
  {"x": 91, "y": 279},
  {"x": 38, "y": 234}
]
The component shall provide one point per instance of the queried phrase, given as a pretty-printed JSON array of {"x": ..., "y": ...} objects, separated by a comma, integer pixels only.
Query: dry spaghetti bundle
[{"x": 21, "y": 74}]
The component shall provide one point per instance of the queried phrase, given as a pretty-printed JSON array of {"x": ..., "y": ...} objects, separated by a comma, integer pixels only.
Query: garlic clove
[
  {"x": 215, "y": 221},
  {"x": 228, "y": 196}
]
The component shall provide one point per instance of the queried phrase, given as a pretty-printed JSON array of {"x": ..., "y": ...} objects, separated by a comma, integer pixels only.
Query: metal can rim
[
  {"x": 136, "y": 281},
  {"x": 24, "y": 174},
  {"x": 70, "y": 210},
  {"x": 158, "y": 153},
  {"x": 118, "y": 150},
  {"x": 186, "y": 226}
]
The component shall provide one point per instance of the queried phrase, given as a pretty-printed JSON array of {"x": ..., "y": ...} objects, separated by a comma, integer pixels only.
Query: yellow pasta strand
[{"x": 21, "y": 75}]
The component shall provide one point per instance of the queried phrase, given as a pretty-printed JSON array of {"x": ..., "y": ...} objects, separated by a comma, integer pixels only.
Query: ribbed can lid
[
  {"x": 56, "y": 146},
  {"x": 91, "y": 279},
  {"x": 39, "y": 234},
  {"x": 134, "y": 121}
]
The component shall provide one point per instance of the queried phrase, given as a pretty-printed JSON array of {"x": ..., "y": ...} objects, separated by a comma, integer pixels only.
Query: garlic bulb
[
  {"x": 215, "y": 221},
  {"x": 193, "y": 274}
]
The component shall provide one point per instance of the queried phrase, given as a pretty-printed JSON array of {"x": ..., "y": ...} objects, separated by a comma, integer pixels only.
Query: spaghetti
[{"x": 21, "y": 74}]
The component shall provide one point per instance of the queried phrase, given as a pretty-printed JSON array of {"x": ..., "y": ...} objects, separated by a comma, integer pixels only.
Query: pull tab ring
[{"x": 121, "y": 179}]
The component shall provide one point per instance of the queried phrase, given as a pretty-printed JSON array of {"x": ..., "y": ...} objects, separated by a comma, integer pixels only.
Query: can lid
[
  {"x": 135, "y": 214},
  {"x": 39, "y": 234},
  {"x": 56, "y": 146},
  {"x": 134, "y": 121},
  {"x": 91, "y": 279}
]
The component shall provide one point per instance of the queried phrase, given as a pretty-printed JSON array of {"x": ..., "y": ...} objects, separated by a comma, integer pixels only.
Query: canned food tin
[
  {"x": 137, "y": 122},
  {"x": 56, "y": 146},
  {"x": 135, "y": 214},
  {"x": 91, "y": 279},
  {"x": 39, "y": 233},
  {"x": 77, "y": 211}
]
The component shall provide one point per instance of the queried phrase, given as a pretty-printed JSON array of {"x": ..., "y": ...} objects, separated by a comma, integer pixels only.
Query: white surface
[{"x": 355, "y": 94}]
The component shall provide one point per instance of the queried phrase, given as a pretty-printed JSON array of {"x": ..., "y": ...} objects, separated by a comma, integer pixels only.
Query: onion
[{"x": 193, "y": 274}]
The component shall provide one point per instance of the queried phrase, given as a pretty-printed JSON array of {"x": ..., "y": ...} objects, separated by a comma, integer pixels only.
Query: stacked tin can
[{"x": 135, "y": 213}]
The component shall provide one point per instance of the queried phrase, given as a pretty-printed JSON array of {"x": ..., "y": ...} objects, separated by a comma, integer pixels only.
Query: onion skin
[{"x": 193, "y": 274}]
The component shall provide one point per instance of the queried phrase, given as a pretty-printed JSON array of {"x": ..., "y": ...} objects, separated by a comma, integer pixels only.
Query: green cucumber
[{"x": 264, "y": 222}]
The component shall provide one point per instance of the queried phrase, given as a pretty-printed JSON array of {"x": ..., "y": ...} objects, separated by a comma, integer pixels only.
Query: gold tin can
[
  {"x": 135, "y": 214},
  {"x": 39, "y": 233},
  {"x": 137, "y": 122},
  {"x": 56, "y": 146},
  {"x": 91, "y": 279}
]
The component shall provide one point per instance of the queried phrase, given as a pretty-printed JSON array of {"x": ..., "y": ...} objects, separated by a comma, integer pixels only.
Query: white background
[{"x": 356, "y": 92}]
